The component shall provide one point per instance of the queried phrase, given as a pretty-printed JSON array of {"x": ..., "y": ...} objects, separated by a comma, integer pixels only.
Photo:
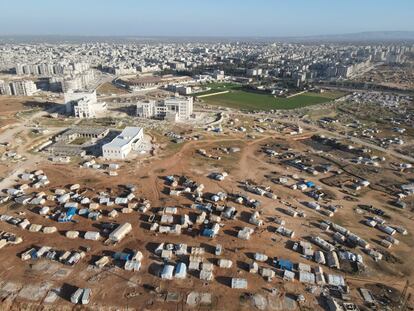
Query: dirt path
[{"x": 179, "y": 160}]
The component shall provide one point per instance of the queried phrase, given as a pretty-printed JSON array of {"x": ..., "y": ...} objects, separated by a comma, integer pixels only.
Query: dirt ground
[
  {"x": 108, "y": 88},
  {"x": 9, "y": 106},
  {"x": 111, "y": 286},
  {"x": 395, "y": 76}
]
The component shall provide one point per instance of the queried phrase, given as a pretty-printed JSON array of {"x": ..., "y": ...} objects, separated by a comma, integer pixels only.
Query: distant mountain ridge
[{"x": 368, "y": 36}]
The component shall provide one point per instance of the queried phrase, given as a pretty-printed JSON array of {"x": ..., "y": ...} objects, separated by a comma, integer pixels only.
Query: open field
[
  {"x": 12, "y": 104},
  {"x": 108, "y": 89},
  {"x": 244, "y": 100},
  {"x": 9, "y": 106},
  {"x": 395, "y": 76},
  {"x": 13, "y": 108}
]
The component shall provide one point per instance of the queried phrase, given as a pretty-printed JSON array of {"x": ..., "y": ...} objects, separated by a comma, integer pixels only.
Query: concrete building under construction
[{"x": 171, "y": 109}]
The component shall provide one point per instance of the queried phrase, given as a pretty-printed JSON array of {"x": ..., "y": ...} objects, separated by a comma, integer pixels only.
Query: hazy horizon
[
  {"x": 390, "y": 32},
  {"x": 184, "y": 18}
]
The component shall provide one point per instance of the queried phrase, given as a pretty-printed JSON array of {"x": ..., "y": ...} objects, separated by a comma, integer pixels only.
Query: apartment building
[
  {"x": 172, "y": 109},
  {"x": 18, "y": 88},
  {"x": 50, "y": 69},
  {"x": 4, "y": 88}
]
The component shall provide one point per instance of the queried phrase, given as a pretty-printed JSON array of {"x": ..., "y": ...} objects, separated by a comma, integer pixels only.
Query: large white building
[
  {"x": 172, "y": 109},
  {"x": 123, "y": 144},
  {"x": 83, "y": 104}
]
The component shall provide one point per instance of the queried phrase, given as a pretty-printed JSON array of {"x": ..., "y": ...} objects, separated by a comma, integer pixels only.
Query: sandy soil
[{"x": 110, "y": 287}]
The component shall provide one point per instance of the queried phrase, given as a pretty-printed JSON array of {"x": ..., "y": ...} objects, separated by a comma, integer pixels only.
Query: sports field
[{"x": 244, "y": 100}]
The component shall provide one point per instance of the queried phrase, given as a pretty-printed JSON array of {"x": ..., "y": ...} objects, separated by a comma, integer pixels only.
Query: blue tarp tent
[
  {"x": 208, "y": 233},
  {"x": 285, "y": 264},
  {"x": 68, "y": 215},
  {"x": 310, "y": 184},
  {"x": 181, "y": 270}
]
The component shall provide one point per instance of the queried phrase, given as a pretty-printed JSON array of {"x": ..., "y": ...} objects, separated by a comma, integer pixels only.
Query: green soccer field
[{"x": 243, "y": 100}]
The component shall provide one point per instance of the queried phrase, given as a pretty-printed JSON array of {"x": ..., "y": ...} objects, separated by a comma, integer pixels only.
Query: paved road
[
  {"x": 352, "y": 88},
  {"x": 387, "y": 151}
]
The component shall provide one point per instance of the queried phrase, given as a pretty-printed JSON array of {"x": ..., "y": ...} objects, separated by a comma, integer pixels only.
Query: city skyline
[{"x": 214, "y": 18}]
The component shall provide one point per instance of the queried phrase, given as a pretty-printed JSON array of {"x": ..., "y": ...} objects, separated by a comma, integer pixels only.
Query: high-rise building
[
  {"x": 18, "y": 88},
  {"x": 5, "y": 88},
  {"x": 344, "y": 71}
]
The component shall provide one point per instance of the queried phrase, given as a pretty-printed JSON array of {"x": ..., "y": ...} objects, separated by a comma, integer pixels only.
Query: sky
[{"x": 264, "y": 18}]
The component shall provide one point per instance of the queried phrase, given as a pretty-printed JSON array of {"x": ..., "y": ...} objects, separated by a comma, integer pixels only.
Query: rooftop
[{"x": 124, "y": 138}]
